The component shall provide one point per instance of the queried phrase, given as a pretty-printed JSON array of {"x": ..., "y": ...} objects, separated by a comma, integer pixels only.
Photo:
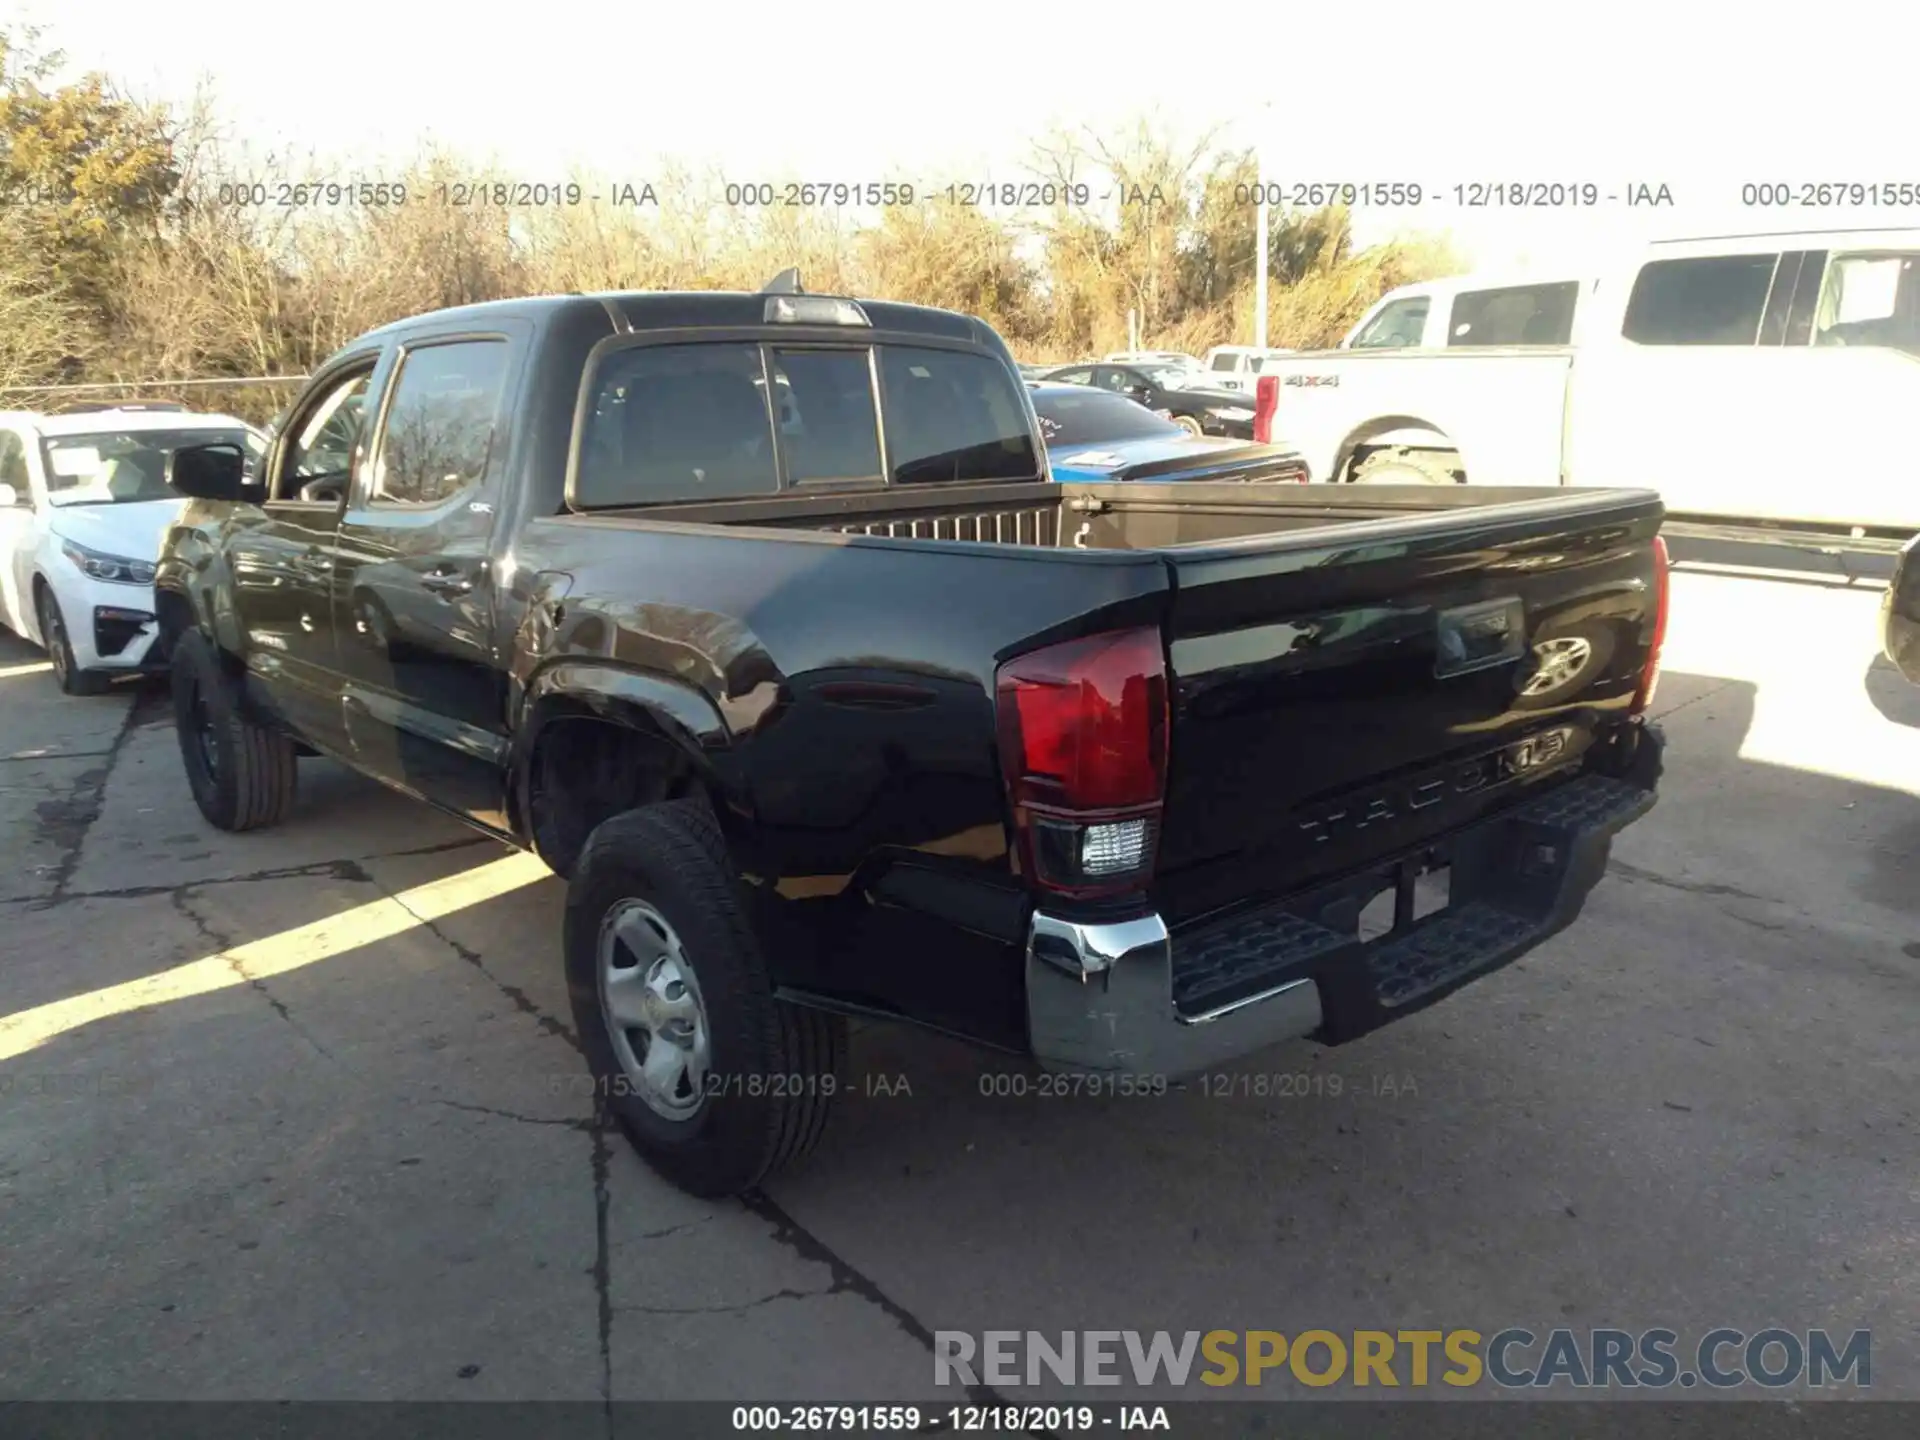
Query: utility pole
[{"x": 1260, "y": 235}]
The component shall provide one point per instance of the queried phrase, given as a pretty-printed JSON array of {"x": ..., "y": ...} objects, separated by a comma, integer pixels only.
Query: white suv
[{"x": 84, "y": 506}]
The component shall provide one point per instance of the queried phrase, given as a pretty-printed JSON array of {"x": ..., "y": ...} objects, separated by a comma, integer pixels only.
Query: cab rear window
[{"x": 686, "y": 423}]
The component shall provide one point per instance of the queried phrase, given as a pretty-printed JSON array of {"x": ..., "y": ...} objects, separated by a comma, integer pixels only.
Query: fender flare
[
  {"x": 1408, "y": 430},
  {"x": 668, "y": 711}
]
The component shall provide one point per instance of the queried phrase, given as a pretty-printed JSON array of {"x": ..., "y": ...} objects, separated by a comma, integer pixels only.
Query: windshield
[
  {"x": 1871, "y": 299},
  {"x": 125, "y": 467},
  {"x": 1094, "y": 417}
]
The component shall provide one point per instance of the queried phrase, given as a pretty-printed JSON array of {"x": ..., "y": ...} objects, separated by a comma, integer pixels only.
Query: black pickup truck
[{"x": 757, "y": 617}]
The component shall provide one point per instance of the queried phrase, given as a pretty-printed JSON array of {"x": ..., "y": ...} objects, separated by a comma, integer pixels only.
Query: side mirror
[
  {"x": 10, "y": 497},
  {"x": 209, "y": 472}
]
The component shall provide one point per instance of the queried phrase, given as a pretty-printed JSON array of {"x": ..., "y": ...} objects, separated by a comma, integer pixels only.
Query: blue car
[{"x": 1100, "y": 435}]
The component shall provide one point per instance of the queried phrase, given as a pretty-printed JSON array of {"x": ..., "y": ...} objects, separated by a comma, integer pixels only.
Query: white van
[{"x": 1744, "y": 377}]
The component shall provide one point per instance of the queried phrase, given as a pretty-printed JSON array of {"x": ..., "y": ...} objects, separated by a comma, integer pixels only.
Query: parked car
[
  {"x": 1177, "y": 359},
  {"x": 874, "y": 718},
  {"x": 1900, "y": 613},
  {"x": 1097, "y": 435},
  {"x": 1746, "y": 378},
  {"x": 1236, "y": 367},
  {"x": 84, "y": 502},
  {"x": 1166, "y": 391}
]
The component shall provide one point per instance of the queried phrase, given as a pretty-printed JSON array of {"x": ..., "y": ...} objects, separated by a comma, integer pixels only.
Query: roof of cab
[
  {"x": 688, "y": 309},
  {"x": 88, "y": 422}
]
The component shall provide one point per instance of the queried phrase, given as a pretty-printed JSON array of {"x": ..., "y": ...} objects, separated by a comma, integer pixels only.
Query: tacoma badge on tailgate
[{"x": 1474, "y": 637}]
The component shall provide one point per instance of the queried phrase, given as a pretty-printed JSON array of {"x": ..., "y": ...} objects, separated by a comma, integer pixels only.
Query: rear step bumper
[{"x": 1129, "y": 997}]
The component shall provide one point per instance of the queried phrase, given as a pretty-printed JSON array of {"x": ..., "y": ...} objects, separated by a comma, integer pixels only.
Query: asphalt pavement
[{"x": 300, "y": 1114}]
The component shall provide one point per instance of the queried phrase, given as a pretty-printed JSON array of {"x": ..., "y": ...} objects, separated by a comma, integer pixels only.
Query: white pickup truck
[{"x": 1747, "y": 377}]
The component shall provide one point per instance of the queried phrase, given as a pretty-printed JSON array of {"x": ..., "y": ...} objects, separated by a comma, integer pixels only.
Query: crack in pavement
[
  {"x": 521, "y": 1000},
  {"x": 721, "y": 1309},
  {"x": 1707, "y": 695},
  {"x": 68, "y": 821},
  {"x": 582, "y": 1125},
  {"x": 225, "y": 943},
  {"x": 352, "y": 870},
  {"x": 1692, "y": 887},
  {"x": 791, "y": 1233},
  {"x": 675, "y": 1229},
  {"x": 347, "y": 871},
  {"x": 602, "y": 1160}
]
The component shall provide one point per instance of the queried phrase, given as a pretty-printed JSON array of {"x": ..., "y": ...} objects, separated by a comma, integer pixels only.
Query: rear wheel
[
  {"x": 243, "y": 774},
  {"x": 53, "y": 634},
  {"x": 715, "y": 1082},
  {"x": 1398, "y": 466}
]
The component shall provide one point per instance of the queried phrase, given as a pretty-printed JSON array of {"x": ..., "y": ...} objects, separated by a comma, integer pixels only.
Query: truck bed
[
  {"x": 1315, "y": 701},
  {"x": 1131, "y": 516}
]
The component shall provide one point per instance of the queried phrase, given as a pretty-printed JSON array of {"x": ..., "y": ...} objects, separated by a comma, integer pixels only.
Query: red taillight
[
  {"x": 1662, "y": 589},
  {"x": 1083, "y": 748},
  {"x": 1266, "y": 400}
]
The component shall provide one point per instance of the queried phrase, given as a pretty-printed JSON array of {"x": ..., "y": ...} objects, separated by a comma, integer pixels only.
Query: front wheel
[
  {"x": 242, "y": 773},
  {"x": 53, "y": 634},
  {"x": 1188, "y": 424},
  {"x": 715, "y": 1082}
]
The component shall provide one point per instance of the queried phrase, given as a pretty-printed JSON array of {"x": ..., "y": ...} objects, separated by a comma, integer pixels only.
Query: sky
[{"x": 1462, "y": 94}]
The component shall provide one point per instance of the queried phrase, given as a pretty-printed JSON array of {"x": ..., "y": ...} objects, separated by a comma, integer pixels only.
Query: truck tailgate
[{"x": 1341, "y": 695}]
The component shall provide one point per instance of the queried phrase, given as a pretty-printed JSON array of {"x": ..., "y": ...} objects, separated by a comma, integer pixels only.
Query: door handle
[{"x": 447, "y": 582}]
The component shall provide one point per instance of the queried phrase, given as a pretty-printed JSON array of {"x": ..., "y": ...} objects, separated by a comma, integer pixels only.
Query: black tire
[
  {"x": 53, "y": 635},
  {"x": 1397, "y": 466},
  {"x": 774, "y": 1067},
  {"x": 243, "y": 774},
  {"x": 1598, "y": 639}
]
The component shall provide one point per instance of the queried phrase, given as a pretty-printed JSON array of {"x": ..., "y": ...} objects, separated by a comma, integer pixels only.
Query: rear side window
[
  {"x": 1226, "y": 362},
  {"x": 951, "y": 415},
  {"x": 439, "y": 426},
  {"x": 1514, "y": 315},
  {"x": 1701, "y": 300},
  {"x": 677, "y": 422}
]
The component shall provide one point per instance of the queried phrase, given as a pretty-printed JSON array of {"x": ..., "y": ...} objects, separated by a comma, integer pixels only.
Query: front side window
[
  {"x": 1082, "y": 376},
  {"x": 126, "y": 467},
  {"x": 438, "y": 430},
  {"x": 952, "y": 415},
  {"x": 1700, "y": 300},
  {"x": 1871, "y": 299},
  {"x": 325, "y": 439},
  {"x": 1397, "y": 327},
  {"x": 680, "y": 423},
  {"x": 1514, "y": 315}
]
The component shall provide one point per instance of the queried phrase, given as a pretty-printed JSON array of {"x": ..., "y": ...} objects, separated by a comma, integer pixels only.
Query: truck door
[
  {"x": 423, "y": 700},
  {"x": 279, "y": 555}
]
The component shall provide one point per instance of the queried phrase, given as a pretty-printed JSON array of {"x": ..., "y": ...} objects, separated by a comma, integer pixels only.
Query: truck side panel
[
  {"x": 855, "y": 680},
  {"x": 1500, "y": 409}
]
